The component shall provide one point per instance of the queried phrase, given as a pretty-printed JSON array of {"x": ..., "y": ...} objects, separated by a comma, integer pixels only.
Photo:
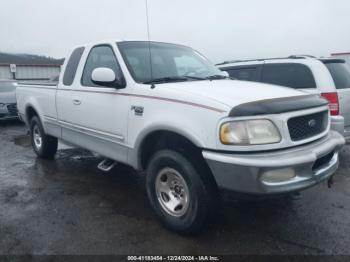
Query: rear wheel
[
  {"x": 179, "y": 195},
  {"x": 45, "y": 146}
]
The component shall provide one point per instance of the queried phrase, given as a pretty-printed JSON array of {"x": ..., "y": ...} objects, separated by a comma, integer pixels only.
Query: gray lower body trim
[
  {"x": 106, "y": 148},
  {"x": 247, "y": 173},
  {"x": 105, "y": 144}
]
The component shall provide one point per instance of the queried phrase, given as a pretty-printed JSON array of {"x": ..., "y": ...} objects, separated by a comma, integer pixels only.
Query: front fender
[{"x": 135, "y": 151}]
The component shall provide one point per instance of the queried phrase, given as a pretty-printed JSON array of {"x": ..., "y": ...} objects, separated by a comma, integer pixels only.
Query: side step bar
[{"x": 106, "y": 165}]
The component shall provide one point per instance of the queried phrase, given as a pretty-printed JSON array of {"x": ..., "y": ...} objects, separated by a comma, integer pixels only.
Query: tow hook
[{"x": 330, "y": 182}]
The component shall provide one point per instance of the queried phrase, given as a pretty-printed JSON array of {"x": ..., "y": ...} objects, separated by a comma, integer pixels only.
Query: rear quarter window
[
  {"x": 292, "y": 75},
  {"x": 72, "y": 66},
  {"x": 340, "y": 73}
]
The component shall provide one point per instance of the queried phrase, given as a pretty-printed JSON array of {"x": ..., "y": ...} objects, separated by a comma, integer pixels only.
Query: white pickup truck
[{"x": 164, "y": 109}]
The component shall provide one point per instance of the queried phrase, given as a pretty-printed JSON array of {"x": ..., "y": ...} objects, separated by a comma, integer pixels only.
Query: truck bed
[{"x": 41, "y": 96}]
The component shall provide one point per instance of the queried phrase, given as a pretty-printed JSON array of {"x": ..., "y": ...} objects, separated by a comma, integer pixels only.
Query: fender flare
[{"x": 135, "y": 152}]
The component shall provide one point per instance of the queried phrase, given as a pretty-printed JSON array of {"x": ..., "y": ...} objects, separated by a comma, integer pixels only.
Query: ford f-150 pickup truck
[{"x": 165, "y": 110}]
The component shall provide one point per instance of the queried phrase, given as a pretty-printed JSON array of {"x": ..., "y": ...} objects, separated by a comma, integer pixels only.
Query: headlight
[{"x": 249, "y": 132}]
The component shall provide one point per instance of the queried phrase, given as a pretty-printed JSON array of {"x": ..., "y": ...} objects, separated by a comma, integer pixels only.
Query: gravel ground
[{"x": 68, "y": 206}]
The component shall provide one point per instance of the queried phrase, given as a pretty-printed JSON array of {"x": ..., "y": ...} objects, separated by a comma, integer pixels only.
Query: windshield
[
  {"x": 340, "y": 73},
  {"x": 169, "y": 62}
]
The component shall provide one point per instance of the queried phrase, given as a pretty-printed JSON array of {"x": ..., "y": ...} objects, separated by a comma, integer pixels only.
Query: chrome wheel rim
[
  {"x": 37, "y": 137},
  {"x": 172, "y": 192}
]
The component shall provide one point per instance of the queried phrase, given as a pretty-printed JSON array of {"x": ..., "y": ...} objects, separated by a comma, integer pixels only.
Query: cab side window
[{"x": 99, "y": 56}]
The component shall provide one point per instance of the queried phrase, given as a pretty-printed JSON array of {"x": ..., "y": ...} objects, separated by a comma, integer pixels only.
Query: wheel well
[
  {"x": 159, "y": 140},
  {"x": 165, "y": 140},
  {"x": 30, "y": 112}
]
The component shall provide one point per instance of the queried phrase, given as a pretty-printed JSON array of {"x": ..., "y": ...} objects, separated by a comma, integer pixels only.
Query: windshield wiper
[
  {"x": 217, "y": 77},
  {"x": 183, "y": 78},
  {"x": 166, "y": 79},
  {"x": 194, "y": 77}
]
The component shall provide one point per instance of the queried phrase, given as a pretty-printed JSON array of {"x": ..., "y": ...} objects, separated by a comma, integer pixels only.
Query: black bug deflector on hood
[{"x": 278, "y": 105}]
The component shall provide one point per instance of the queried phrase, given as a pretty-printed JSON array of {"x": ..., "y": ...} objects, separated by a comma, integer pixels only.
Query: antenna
[{"x": 149, "y": 43}]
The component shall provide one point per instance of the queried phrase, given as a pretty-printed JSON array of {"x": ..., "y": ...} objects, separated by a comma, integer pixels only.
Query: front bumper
[
  {"x": 292, "y": 169},
  {"x": 8, "y": 111}
]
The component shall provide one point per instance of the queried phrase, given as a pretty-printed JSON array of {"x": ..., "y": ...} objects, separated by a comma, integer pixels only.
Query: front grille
[
  {"x": 12, "y": 109},
  {"x": 303, "y": 127}
]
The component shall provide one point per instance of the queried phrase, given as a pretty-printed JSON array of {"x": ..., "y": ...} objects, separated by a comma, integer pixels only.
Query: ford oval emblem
[{"x": 312, "y": 123}]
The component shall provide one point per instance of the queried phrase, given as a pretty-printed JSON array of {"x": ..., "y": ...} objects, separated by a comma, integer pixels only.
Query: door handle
[{"x": 76, "y": 101}]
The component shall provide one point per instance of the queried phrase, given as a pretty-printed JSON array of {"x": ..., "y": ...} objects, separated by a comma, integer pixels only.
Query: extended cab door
[
  {"x": 97, "y": 113},
  {"x": 64, "y": 104}
]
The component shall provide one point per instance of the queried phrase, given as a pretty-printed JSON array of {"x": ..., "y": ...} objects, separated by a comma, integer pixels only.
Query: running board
[{"x": 106, "y": 165}]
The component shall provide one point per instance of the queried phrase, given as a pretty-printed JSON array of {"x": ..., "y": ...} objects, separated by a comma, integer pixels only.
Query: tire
[
  {"x": 187, "y": 208},
  {"x": 45, "y": 146}
]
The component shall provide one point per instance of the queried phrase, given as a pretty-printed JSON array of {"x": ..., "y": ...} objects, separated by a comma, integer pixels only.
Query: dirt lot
[{"x": 68, "y": 206}]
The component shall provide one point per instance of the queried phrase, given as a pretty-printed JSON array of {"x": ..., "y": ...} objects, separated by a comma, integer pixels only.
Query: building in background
[
  {"x": 345, "y": 56},
  {"x": 28, "y": 68}
]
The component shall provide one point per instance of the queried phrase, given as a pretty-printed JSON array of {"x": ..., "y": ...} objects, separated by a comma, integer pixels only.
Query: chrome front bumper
[{"x": 277, "y": 172}]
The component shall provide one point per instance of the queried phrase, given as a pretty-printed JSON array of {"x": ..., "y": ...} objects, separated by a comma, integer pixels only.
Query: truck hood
[{"x": 234, "y": 92}]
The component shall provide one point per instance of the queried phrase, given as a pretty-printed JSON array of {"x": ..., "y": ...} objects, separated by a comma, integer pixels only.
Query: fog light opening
[{"x": 278, "y": 175}]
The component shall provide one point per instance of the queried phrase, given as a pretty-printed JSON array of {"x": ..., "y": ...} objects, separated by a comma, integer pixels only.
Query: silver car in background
[{"x": 8, "y": 103}]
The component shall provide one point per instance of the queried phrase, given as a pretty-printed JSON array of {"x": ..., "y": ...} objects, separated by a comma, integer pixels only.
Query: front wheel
[
  {"x": 179, "y": 195},
  {"x": 45, "y": 146}
]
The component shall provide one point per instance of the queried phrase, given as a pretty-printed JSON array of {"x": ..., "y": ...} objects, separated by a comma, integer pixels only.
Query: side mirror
[{"x": 106, "y": 77}]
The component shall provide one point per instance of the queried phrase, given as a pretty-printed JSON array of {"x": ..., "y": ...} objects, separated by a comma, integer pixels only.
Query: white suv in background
[{"x": 329, "y": 77}]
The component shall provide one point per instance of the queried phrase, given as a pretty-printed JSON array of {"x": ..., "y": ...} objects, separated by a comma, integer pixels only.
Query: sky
[{"x": 220, "y": 29}]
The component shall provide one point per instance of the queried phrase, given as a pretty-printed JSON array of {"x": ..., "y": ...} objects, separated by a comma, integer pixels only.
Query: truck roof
[{"x": 112, "y": 41}]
